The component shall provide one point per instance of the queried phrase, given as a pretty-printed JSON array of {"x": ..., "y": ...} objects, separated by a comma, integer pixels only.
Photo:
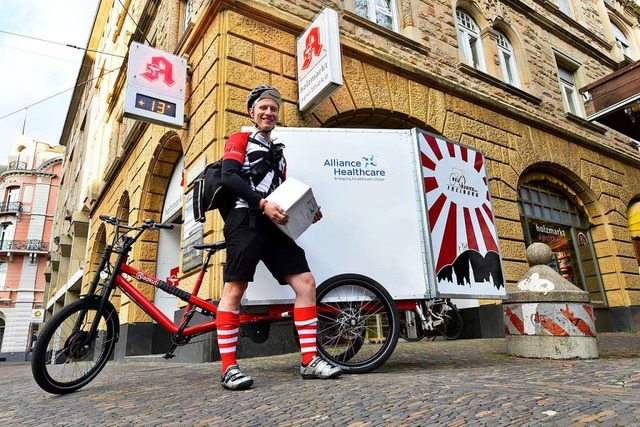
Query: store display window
[{"x": 548, "y": 216}]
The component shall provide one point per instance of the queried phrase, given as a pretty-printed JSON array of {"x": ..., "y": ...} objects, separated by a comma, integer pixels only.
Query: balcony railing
[
  {"x": 10, "y": 207},
  {"x": 32, "y": 245},
  {"x": 17, "y": 165}
]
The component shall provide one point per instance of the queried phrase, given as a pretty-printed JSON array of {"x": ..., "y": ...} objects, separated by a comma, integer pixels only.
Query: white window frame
[
  {"x": 507, "y": 60},
  {"x": 6, "y": 233},
  {"x": 565, "y": 8},
  {"x": 13, "y": 194},
  {"x": 621, "y": 40},
  {"x": 187, "y": 13},
  {"x": 569, "y": 90},
  {"x": 3, "y": 273},
  {"x": 470, "y": 41},
  {"x": 368, "y": 9}
]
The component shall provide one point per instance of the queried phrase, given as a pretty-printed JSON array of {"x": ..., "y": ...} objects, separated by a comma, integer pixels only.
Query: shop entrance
[
  {"x": 169, "y": 242},
  {"x": 548, "y": 216},
  {"x": 633, "y": 215}
]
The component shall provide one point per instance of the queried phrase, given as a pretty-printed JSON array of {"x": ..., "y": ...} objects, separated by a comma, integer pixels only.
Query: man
[{"x": 253, "y": 166}]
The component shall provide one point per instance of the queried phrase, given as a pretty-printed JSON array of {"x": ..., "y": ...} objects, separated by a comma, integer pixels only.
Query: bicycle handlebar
[
  {"x": 148, "y": 224},
  {"x": 152, "y": 224}
]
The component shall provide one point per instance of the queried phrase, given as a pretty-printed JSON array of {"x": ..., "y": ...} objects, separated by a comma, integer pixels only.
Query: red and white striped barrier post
[{"x": 547, "y": 316}]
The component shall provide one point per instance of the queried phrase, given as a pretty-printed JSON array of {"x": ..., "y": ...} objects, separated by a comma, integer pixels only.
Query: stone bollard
[{"x": 547, "y": 316}]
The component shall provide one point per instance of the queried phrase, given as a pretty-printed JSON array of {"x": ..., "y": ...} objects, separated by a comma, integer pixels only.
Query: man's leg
[
  {"x": 228, "y": 327},
  {"x": 305, "y": 317},
  {"x": 305, "y": 313}
]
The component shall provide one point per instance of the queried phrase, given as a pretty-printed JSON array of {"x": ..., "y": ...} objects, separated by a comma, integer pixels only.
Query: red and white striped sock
[
  {"x": 306, "y": 321},
  {"x": 228, "y": 325}
]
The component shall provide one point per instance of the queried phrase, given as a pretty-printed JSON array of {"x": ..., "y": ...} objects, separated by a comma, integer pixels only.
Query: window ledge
[
  {"x": 586, "y": 123},
  {"x": 467, "y": 69},
  {"x": 384, "y": 32}
]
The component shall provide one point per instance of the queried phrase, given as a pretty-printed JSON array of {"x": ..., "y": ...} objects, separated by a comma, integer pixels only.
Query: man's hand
[
  {"x": 276, "y": 213},
  {"x": 318, "y": 216}
]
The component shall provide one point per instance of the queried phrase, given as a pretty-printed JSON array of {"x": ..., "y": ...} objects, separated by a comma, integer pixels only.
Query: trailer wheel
[{"x": 358, "y": 323}]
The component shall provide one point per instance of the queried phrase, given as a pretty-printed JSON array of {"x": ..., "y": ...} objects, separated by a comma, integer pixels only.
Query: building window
[
  {"x": 569, "y": 91},
  {"x": 382, "y": 12},
  {"x": 548, "y": 216},
  {"x": 3, "y": 274},
  {"x": 13, "y": 195},
  {"x": 621, "y": 40},
  {"x": 187, "y": 13},
  {"x": 564, "y": 7},
  {"x": 507, "y": 61},
  {"x": 6, "y": 236},
  {"x": 470, "y": 42}
]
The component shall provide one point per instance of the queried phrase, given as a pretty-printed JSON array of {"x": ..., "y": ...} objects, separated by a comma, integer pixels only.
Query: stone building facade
[
  {"x": 502, "y": 76},
  {"x": 28, "y": 193}
]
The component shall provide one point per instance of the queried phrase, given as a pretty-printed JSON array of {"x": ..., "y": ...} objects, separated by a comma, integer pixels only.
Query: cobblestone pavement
[{"x": 448, "y": 383}]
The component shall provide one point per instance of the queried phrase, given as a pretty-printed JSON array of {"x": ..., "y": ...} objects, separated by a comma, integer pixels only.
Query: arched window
[
  {"x": 6, "y": 236},
  {"x": 550, "y": 217},
  {"x": 470, "y": 42},
  {"x": 621, "y": 40},
  {"x": 507, "y": 61},
  {"x": 13, "y": 195}
]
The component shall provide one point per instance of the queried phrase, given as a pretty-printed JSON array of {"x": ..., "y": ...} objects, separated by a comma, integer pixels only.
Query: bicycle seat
[{"x": 211, "y": 246}]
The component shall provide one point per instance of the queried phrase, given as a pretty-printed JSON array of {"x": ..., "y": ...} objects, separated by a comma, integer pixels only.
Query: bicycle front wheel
[
  {"x": 62, "y": 362},
  {"x": 358, "y": 323},
  {"x": 451, "y": 328}
]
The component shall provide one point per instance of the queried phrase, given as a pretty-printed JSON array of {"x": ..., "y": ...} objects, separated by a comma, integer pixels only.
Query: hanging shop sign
[
  {"x": 37, "y": 315},
  {"x": 319, "y": 61},
  {"x": 155, "y": 87}
]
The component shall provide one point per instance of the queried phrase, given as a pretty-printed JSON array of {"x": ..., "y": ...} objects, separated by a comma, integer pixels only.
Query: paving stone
[{"x": 440, "y": 383}]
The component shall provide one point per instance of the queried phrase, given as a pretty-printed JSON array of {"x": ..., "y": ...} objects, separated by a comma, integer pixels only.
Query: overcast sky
[{"x": 32, "y": 70}]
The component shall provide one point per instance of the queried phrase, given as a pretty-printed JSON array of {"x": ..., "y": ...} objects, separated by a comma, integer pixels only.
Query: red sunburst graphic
[{"x": 458, "y": 201}]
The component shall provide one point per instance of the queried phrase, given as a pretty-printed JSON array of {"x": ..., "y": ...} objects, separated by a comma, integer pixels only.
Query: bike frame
[
  {"x": 431, "y": 319},
  {"x": 276, "y": 312},
  {"x": 180, "y": 332}
]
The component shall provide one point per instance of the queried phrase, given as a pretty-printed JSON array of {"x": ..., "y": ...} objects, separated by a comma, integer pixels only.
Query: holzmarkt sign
[
  {"x": 155, "y": 88},
  {"x": 319, "y": 61}
]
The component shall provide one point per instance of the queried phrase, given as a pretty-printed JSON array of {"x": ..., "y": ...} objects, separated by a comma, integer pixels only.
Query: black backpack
[{"x": 208, "y": 193}]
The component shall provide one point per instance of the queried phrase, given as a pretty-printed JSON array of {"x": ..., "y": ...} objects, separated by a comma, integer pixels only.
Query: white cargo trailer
[{"x": 405, "y": 208}]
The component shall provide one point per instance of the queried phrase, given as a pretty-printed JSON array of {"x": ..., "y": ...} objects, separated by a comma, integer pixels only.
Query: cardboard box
[{"x": 297, "y": 199}]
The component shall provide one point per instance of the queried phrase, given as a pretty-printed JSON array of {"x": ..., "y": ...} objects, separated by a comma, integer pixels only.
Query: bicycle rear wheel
[
  {"x": 358, "y": 323},
  {"x": 451, "y": 328},
  {"x": 61, "y": 363}
]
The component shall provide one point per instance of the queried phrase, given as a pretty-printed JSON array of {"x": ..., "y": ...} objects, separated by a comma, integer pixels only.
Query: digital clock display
[{"x": 155, "y": 105}]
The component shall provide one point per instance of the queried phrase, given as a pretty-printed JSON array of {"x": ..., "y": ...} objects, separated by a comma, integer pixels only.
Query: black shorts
[{"x": 246, "y": 246}]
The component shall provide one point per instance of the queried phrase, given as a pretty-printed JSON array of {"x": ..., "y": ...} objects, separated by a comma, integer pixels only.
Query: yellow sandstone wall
[{"x": 233, "y": 53}]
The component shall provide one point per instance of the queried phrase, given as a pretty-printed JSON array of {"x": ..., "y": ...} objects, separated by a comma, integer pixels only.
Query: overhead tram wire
[
  {"x": 74, "y": 47},
  {"x": 60, "y": 44},
  {"x": 33, "y": 52},
  {"x": 60, "y": 93}
]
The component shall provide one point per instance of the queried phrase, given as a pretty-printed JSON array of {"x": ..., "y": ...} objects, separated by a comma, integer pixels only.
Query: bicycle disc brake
[{"x": 258, "y": 332}]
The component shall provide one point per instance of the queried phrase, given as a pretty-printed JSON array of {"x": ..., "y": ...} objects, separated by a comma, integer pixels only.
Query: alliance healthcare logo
[{"x": 363, "y": 169}]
